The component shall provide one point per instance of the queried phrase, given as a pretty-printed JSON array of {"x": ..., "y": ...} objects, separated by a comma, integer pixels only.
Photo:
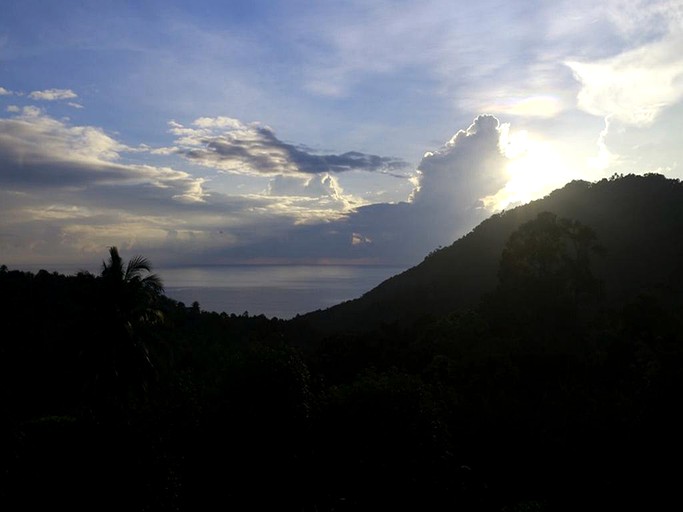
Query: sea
[{"x": 281, "y": 291}]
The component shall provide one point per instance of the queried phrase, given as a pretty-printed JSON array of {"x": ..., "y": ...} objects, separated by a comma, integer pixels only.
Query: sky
[{"x": 317, "y": 132}]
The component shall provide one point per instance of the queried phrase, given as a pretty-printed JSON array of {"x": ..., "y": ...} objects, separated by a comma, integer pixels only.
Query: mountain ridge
[{"x": 637, "y": 219}]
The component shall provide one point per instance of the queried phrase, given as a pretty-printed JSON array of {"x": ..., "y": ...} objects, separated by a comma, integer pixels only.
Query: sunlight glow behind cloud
[
  {"x": 534, "y": 169},
  {"x": 532, "y": 106}
]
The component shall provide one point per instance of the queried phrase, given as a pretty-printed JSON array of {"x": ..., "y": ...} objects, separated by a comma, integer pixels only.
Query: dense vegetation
[{"x": 554, "y": 385}]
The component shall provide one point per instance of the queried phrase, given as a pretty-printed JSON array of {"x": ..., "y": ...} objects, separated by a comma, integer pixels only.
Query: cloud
[
  {"x": 53, "y": 95},
  {"x": 67, "y": 192},
  {"x": 5, "y": 92},
  {"x": 229, "y": 145},
  {"x": 447, "y": 201},
  {"x": 445, "y": 205},
  {"x": 323, "y": 185},
  {"x": 604, "y": 159},
  {"x": 75, "y": 105},
  {"x": 543, "y": 106},
  {"x": 506, "y": 58},
  {"x": 466, "y": 169},
  {"x": 634, "y": 86},
  {"x": 42, "y": 153},
  {"x": 478, "y": 58},
  {"x": 644, "y": 19},
  {"x": 48, "y": 149}
]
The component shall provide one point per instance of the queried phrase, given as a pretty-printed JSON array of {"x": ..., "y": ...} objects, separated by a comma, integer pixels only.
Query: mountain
[{"x": 638, "y": 221}]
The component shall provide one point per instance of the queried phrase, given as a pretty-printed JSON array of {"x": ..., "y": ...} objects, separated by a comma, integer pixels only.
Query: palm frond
[
  {"x": 137, "y": 266},
  {"x": 153, "y": 283}
]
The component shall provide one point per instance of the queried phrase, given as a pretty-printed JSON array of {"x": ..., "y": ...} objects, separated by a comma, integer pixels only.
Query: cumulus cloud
[
  {"x": 229, "y": 145},
  {"x": 5, "y": 92},
  {"x": 466, "y": 169},
  {"x": 446, "y": 202},
  {"x": 53, "y": 95}
]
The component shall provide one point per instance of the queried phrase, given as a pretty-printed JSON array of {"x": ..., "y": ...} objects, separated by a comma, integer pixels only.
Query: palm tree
[
  {"x": 134, "y": 290},
  {"x": 128, "y": 304}
]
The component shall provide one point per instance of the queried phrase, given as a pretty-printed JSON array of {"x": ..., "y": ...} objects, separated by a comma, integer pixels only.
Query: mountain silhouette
[{"x": 638, "y": 221}]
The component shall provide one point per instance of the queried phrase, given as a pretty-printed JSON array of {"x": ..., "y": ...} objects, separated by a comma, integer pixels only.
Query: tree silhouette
[
  {"x": 544, "y": 274},
  {"x": 133, "y": 290},
  {"x": 128, "y": 305}
]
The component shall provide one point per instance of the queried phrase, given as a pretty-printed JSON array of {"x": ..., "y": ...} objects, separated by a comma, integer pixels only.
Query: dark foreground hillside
[
  {"x": 638, "y": 221},
  {"x": 546, "y": 375}
]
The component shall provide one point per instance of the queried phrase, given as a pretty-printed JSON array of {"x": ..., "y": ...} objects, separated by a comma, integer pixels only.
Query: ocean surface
[{"x": 281, "y": 291}]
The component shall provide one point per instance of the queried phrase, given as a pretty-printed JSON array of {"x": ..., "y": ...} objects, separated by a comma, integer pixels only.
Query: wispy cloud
[
  {"x": 53, "y": 95},
  {"x": 634, "y": 86},
  {"x": 636, "y": 83},
  {"x": 644, "y": 20}
]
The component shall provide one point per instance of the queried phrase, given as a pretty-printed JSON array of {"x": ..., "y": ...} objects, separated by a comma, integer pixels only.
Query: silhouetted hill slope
[{"x": 638, "y": 221}]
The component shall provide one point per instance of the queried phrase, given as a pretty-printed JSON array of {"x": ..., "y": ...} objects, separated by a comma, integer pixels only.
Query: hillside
[
  {"x": 547, "y": 395},
  {"x": 638, "y": 221}
]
